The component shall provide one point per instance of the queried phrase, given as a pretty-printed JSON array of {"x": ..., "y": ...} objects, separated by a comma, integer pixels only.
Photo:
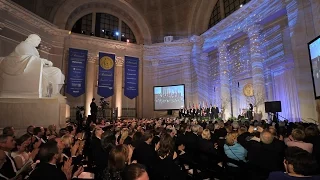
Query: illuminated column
[
  {"x": 204, "y": 78},
  {"x": 119, "y": 83},
  {"x": 195, "y": 65},
  {"x": 90, "y": 77},
  {"x": 224, "y": 81},
  {"x": 235, "y": 98},
  {"x": 269, "y": 90},
  {"x": 257, "y": 67}
]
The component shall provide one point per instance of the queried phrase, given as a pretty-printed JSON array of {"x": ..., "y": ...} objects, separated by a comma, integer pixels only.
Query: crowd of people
[{"x": 163, "y": 149}]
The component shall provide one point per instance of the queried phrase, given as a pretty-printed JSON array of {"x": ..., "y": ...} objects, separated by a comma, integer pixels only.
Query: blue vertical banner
[
  {"x": 76, "y": 80},
  {"x": 131, "y": 77},
  {"x": 106, "y": 74}
]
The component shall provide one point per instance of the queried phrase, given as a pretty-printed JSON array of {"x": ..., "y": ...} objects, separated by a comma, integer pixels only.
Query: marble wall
[{"x": 166, "y": 64}]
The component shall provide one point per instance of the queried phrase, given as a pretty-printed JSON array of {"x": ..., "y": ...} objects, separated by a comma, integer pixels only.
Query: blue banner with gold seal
[
  {"x": 106, "y": 74},
  {"x": 76, "y": 79},
  {"x": 131, "y": 77}
]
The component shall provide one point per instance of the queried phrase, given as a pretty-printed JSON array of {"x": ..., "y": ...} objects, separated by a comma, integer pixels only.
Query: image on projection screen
[
  {"x": 314, "y": 50},
  {"x": 168, "y": 97}
]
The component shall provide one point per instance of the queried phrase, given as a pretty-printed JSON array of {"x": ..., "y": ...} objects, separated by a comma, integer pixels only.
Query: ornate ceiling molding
[{"x": 26, "y": 16}]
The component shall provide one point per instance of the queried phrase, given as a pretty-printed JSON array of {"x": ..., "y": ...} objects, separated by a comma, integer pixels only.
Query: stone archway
[
  {"x": 104, "y": 8},
  {"x": 69, "y": 13}
]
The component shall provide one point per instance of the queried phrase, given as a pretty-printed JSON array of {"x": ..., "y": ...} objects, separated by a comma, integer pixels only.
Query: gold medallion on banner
[{"x": 106, "y": 63}]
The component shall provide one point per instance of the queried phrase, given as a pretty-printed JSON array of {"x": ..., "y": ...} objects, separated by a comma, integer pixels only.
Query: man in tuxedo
[
  {"x": 8, "y": 169},
  {"x": 211, "y": 111},
  {"x": 2, "y": 158},
  {"x": 50, "y": 155},
  {"x": 38, "y": 133},
  {"x": 265, "y": 156},
  {"x": 93, "y": 110},
  {"x": 30, "y": 130},
  {"x": 250, "y": 110},
  {"x": 216, "y": 112},
  {"x": 180, "y": 113},
  {"x": 208, "y": 113},
  {"x": 144, "y": 153}
]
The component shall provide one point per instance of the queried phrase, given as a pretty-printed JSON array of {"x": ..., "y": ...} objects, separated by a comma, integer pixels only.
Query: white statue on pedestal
[{"x": 24, "y": 74}]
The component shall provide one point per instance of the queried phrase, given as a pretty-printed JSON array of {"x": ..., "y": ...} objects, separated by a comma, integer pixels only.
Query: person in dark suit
[
  {"x": 207, "y": 152},
  {"x": 99, "y": 155},
  {"x": 180, "y": 113},
  {"x": 7, "y": 143},
  {"x": 93, "y": 110},
  {"x": 191, "y": 140},
  {"x": 49, "y": 155},
  {"x": 265, "y": 156},
  {"x": 250, "y": 110},
  {"x": 212, "y": 109},
  {"x": 144, "y": 153},
  {"x": 208, "y": 112},
  {"x": 216, "y": 112}
]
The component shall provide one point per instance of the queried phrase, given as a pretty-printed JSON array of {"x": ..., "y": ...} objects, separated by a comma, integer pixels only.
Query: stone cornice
[
  {"x": 30, "y": 18},
  {"x": 182, "y": 43},
  {"x": 95, "y": 41}
]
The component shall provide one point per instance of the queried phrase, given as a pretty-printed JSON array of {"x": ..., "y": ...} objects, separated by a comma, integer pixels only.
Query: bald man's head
[{"x": 266, "y": 137}]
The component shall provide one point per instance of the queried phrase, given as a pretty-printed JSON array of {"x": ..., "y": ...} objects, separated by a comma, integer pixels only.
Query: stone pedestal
[{"x": 22, "y": 112}]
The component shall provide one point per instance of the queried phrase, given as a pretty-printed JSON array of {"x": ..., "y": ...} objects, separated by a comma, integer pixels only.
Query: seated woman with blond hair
[{"x": 233, "y": 149}]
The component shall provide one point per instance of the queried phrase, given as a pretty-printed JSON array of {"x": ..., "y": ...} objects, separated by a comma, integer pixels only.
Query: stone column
[
  {"x": 90, "y": 77},
  {"x": 195, "y": 67},
  {"x": 225, "y": 107},
  {"x": 139, "y": 99},
  {"x": 269, "y": 90},
  {"x": 119, "y": 83},
  {"x": 235, "y": 98},
  {"x": 204, "y": 79},
  {"x": 259, "y": 90}
]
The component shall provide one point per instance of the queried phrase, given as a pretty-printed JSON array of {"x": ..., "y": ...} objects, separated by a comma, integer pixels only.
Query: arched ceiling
[{"x": 178, "y": 18}]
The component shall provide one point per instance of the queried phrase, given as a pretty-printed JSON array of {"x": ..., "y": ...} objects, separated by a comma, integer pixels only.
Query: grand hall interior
[{"x": 184, "y": 89}]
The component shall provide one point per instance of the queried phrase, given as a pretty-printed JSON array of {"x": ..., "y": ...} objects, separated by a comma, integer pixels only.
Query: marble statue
[{"x": 19, "y": 63}]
